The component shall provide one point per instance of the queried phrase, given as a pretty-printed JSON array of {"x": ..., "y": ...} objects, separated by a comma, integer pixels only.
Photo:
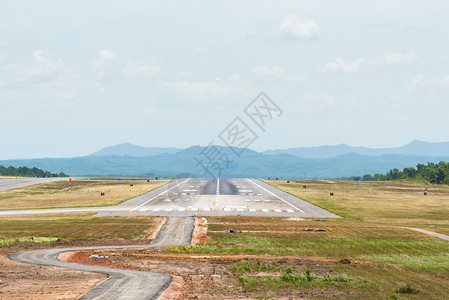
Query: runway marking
[
  {"x": 277, "y": 210},
  {"x": 265, "y": 210},
  {"x": 182, "y": 209},
  {"x": 156, "y": 209},
  {"x": 194, "y": 209},
  {"x": 218, "y": 186},
  {"x": 290, "y": 210},
  {"x": 139, "y": 206},
  {"x": 247, "y": 200},
  {"x": 144, "y": 209},
  {"x": 227, "y": 209},
  {"x": 169, "y": 209},
  {"x": 167, "y": 200},
  {"x": 252, "y": 209},
  {"x": 240, "y": 209},
  {"x": 206, "y": 208},
  {"x": 257, "y": 200},
  {"x": 300, "y": 210}
]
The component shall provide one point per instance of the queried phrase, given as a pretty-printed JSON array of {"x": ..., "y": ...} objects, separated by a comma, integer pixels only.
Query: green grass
[
  {"x": 4, "y": 241},
  {"x": 393, "y": 256},
  {"x": 74, "y": 227}
]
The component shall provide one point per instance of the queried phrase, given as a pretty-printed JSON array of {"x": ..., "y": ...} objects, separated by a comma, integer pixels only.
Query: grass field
[
  {"x": 84, "y": 193},
  {"x": 45, "y": 228},
  {"x": 380, "y": 203},
  {"x": 392, "y": 259},
  {"x": 389, "y": 257}
]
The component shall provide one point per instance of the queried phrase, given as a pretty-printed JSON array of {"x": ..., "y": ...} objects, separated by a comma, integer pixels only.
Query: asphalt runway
[
  {"x": 13, "y": 183},
  {"x": 249, "y": 197}
]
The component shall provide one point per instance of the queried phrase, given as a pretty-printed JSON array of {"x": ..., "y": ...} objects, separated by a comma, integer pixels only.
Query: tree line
[
  {"x": 28, "y": 172},
  {"x": 434, "y": 173}
]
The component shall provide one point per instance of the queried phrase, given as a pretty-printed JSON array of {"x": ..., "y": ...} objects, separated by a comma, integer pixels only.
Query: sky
[{"x": 76, "y": 76}]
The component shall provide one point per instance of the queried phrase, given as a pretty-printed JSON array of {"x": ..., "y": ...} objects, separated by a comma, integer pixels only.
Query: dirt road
[{"x": 122, "y": 284}]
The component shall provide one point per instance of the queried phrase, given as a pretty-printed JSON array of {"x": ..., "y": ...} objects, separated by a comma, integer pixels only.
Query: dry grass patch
[
  {"x": 84, "y": 193},
  {"x": 383, "y": 203},
  {"x": 74, "y": 227}
]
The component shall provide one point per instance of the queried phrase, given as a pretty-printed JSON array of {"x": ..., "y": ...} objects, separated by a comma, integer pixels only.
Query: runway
[
  {"x": 205, "y": 197},
  {"x": 250, "y": 197},
  {"x": 13, "y": 183}
]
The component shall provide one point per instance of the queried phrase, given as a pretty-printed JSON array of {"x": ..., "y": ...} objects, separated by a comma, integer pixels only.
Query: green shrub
[{"x": 407, "y": 289}]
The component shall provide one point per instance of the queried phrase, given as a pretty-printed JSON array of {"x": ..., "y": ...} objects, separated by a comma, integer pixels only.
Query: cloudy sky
[{"x": 77, "y": 76}]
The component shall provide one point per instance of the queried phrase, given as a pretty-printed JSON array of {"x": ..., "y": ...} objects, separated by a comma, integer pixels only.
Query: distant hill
[
  {"x": 416, "y": 147},
  {"x": 133, "y": 150},
  {"x": 249, "y": 164}
]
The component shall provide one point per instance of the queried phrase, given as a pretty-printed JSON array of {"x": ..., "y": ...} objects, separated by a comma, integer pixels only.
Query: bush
[{"x": 407, "y": 289}]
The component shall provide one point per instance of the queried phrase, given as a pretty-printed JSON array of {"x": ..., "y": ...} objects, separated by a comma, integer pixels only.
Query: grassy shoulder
[
  {"x": 49, "y": 228},
  {"x": 83, "y": 193},
  {"x": 381, "y": 203},
  {"x": 382, "y": 259}
]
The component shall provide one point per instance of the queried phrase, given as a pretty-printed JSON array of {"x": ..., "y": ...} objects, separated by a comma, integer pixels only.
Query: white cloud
[
  {"x": 3, "y": 50},
  {"x": 363, "y": 65},
  {"x": 42, "y": 64},
  {"x": 45, "y": 78},
  {"x": 423, "y": 82},
  {"x": 292, "y": 27},
  {"x": 202, "y": 50},
  {"x": 3, "y": 55},
  {"x": 274, "y": 71},
  {"x": 401, "y": 59},
  {"x": 110, "y": 63},
  {"x": 278, "y": 73},
  {"x": 200, "y": 90},
  {"x": 339, "y": 65}
]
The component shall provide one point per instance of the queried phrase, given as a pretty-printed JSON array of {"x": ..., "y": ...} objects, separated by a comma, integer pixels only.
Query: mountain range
[{"x": 314, "y": 162}]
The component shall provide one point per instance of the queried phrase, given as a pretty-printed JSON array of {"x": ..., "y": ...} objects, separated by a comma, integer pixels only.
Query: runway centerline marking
[
  {"x": 218, "y": 186},
  {"x": 275, "y": 195},
  {"x": 139, "y": 206}
]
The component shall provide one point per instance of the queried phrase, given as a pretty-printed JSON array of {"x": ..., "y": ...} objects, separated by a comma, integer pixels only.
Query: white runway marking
[
  {"x": 277, "y": 210},
  {"x": 218, "y": 186},
  {"x": 227, "y": 209},
  {"x": 275, "y": 195},
  {"x": 252, "y": 209},
  {"x": 206, "y": 208},
  {"x": 182, "y": 209},
  {"x": 144, "y": 209},
  {"x": 156, "y": 209},
  {"x": 240, "y": 209},
  {"x": 265, "y": 210},
  {"x": 290, "y": 210},
  {"x": 194, "y": 209},
  {"x": 166, "y": 191}
]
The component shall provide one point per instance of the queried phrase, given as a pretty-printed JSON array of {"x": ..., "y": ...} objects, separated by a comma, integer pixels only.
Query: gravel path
[{"x": 122, "y": 284}]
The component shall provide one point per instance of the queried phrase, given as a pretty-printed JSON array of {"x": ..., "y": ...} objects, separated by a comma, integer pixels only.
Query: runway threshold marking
[
  {"x": 139, "y": 206},
  {"x": 300, "y": 210}
]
